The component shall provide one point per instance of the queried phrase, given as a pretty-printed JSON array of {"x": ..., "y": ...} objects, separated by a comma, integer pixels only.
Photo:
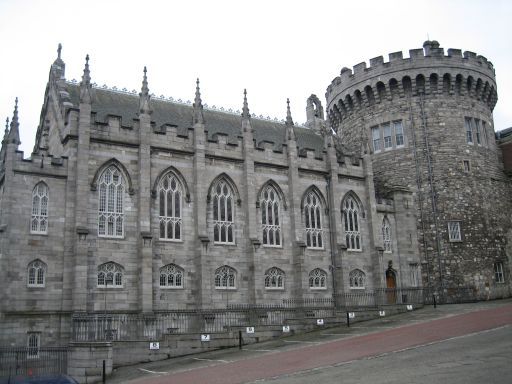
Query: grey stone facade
[
  {"x": 86, "y": 131},
  {"x": 456, "y": 176}
]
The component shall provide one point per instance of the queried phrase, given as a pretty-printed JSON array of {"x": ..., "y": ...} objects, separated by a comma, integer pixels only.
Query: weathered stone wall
[{"x": 432, "y": 94}]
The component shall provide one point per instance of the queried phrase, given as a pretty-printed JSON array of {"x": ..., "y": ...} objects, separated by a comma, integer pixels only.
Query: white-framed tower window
[
  {"x": 498, "y": 272},
  {"x": 170, "y": 197},
  {"x": 318, "y": 279},
  {"x": 388, "y": 141},
  {"x": 39, "y": 220},
  {"x": 376, "y": 139},
  {"x": 357, "y": 279},
  {"x": 313, "y": 220},
  {"x": 478, "y": 134},
  {"x": 225, "y": 278},
  {"x": 223, "y": 223},
  {"x": 110, "y": 275},
  {"x": 386, "y": 234},
  {"x": 271, "y": 226},
  {"x": 111, "y": 202},
  {"x": 171, "y": 276},
  {"x": 351, "y": 224},
  {"x": 469, "y": 131},
  {"x": 454, "y": 233},
  {"x": 399, "y": 133},
  {"x": 274, "y": 278},
  {"x": 36, "y": 274}
]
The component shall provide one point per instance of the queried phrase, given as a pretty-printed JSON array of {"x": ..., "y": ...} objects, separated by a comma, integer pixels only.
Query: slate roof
[{"x": 107, "y": 102}]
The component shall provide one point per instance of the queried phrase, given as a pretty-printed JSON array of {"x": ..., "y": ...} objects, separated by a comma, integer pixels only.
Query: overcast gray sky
[{"x": 275, "y": 49}]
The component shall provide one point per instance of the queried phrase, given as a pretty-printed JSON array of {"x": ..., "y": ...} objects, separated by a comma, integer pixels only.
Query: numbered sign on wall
[
  {"x": 382, "y": 313},
  {"x": 154, "y": 345},
  {"x": 351, "y": 315},
  {"x": 286, "y": 328},
  {"x": 205, "y": 337},
  {"x": 249, "y": 330},
  {"x": 409, "y": 307},
  {"x": 319, "y": 321}
]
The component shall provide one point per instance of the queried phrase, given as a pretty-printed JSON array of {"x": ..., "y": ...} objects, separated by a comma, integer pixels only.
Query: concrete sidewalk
[{"x": 322, "y": 347}]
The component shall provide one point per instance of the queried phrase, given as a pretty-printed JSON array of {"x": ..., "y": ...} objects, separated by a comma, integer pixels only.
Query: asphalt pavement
[{"x": 461, "y": 343}]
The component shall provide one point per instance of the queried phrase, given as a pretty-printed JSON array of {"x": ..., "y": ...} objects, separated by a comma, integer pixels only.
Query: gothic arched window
[
  {"x": 36, "y": 275},
  {"x": 223, "y": 223},
  {"x": 171, "y": 276},
  {"x": 110, "y": 275},
  {"x": 313, "y": 220},
  {"x": 39, "y": 220},
  {"x": 317, "y": 279},
  {"x": 271, "y": 226},
  {"x": 170, "y": 196},
  {"x": 386, "y": 234},
  {"x": 357, "y": 279},
  {"x": 274, "y": 278},
  {"x": 351, "y": 224},
  {"x": 111, "y": 201},
  {"x": 225, "y": 278}
]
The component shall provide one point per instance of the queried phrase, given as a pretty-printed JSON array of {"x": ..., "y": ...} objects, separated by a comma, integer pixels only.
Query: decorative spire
[
  {"x": 6, "y": 133},
  {"x": 144, "y": 104},
  {"x": 14, "y": 133},
  {"x": 198, "y": 106},
  {"x": 59, "y": 50},
  {"x": 289, "y": 122},
  {"x": 85, "y": 85},
  {"x": 245, "y": 110}
]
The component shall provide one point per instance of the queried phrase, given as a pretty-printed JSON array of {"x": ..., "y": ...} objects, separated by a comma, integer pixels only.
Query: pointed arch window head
[
  {"x": 317, "y": 279},
  {"x": 386, "y": 234},
  {"x": 36, "y": 274},
  {"x": 270, "y": 218},
  {"x": 170, "y": 196},
  {"x": 39, "y": 219},
  {"x": 225, "y": 278},
  {"x": 111, "y": 203},
  {"x": 313, "y": 221},
  {"x": 351, "y": 217},
  {"x": 274, "y": 279},
  {"x": 223, "y": 222},
  {"x": 357, "y": 279},
  {"x": 110, "y": 275},
  {"x": 171, "y": 276}
]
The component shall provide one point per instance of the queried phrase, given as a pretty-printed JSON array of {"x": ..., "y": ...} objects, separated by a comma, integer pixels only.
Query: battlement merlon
[{"x": 431, "y": 55}]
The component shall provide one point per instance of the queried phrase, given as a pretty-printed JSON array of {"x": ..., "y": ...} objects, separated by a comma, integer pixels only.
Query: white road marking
[
  {"x": 257, "y": 350},
  {"x": 220, "y": 361},
  {"x": 156, "y": 373},
  {"x": 299, "y": 341}
]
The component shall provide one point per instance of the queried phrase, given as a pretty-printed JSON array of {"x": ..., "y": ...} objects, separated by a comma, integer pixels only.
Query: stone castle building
[
  {"x": 131, "y": 203},
  {"x": 427, "y": 123}
]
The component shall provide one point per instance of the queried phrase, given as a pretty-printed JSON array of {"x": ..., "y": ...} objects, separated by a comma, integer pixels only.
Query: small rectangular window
[
  {"x": 469, "y": 132},
  {"x": 33, "y": 343},
  {"x": 498, "y": 272},
  {"x": 478, "y": 135},
  {"x": 376, "y": 139},
  {"x": 454, "y": 231},
  {"x": 399, "y": 133},
  {"x": 388, "y": 143},
  {"x": 467, "y": 167}
]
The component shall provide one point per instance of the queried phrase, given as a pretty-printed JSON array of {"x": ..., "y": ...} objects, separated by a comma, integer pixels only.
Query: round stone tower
[{"x": 427, "y": 122}]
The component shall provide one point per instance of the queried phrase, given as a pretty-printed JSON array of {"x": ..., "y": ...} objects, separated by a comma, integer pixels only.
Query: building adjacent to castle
[{"x": 136, "y": 204}]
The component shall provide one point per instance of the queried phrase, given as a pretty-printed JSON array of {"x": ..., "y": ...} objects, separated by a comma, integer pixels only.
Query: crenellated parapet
[{"x": 427, "y": 71}]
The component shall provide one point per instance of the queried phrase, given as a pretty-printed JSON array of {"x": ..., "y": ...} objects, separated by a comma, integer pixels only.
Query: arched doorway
[{"x": 390, "y": 284}]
